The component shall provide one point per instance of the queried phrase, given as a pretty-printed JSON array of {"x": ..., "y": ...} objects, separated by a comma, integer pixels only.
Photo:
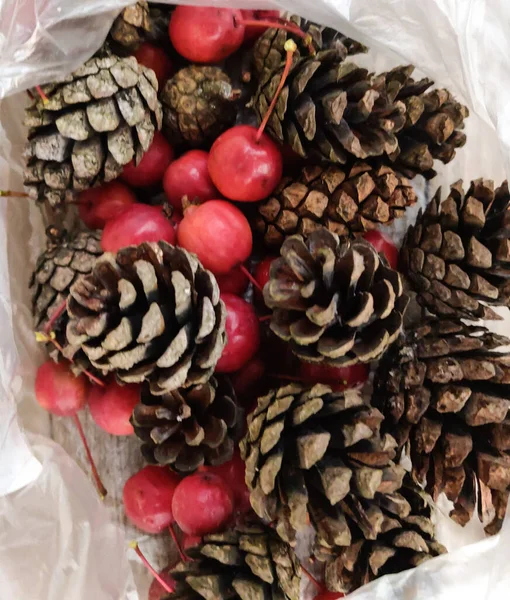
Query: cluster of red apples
[{"x": 204, "y": 190}]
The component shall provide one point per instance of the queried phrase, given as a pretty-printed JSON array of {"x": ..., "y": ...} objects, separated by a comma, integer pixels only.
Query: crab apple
[
  {"x": 59, "y": 391},
  {"x": 218, "y": 233},
  {"x": 189, "y": 176},
  {"x": 245, "y": 164},
  {"x": 148, "y": 498},
  {"x": 203, "y": 503},
  {"x": 327, "y": 595},
  {"x": 190, "y": 541},
  {"x": 252, "y": 32},
  {"x": 233, "y": 474},
  {"x": 111, "y": 406},
  {"x": 339, "y": 378},
  {"x": 153, "y": 165},
  {"x": 248, "y": 379},
  {"x": 262, "y": 271},
  {"x": 205, "y": 34},
  {"x": 383, "y": 245},
  {"x": 156, "y": 59},
  {"x": 138, "y": 223},
  {"x": 243, "y": 334},
  {"x": 98, "y": 205},
  {"x": 233, "y": 282}
]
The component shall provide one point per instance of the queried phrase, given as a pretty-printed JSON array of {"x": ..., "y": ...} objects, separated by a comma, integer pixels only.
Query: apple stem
[
  {"x": 312, "y": 579},
  {"x": 61, "y": 308},
  {"x": 157, "y": 576},
  {"x": 12, "y": 194},
  {"x": 250, "y": 277},
  {"x": 290, "y": 48},
  {"x": 99, "y": 484},
  {"x": 265, "y": 318},
  {"x": 42, "y": 95},
  {"x": 183, "y": 556},
  {"x": 279, "y": 24},
  {"x": 49, "y": 338}
]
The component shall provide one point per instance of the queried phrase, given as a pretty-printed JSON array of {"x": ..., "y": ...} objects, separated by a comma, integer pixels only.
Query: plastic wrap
[{"x": 56, "y": 539}]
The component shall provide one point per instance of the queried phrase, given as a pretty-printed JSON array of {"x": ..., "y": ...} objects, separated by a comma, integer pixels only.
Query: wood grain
[{"x": 117, "y": 458}]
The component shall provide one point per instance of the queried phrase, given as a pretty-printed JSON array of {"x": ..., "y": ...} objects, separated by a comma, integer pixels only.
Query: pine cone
[
  {"x": 445, "y": 395},
  {"x": 149, "y": 313},
  {"x": 129, "y": 28},
  {"x": 190, "y": 427},
  {"x": 343, "y": 200},
  {"x": 332, "y": 110},
  {"x": 96, "y": 121},
  {"x": 395, "y": 538},
  {"x": 457, "y": 256},
  {"x": 198, "y": 104},
  {"x": 249, "y": 562},
  {"x": 335, "y": 302},
  {"x": 66, "y": 258},
  {"x": 432, "y": 129},
  {"x": 269, "y": 52}
]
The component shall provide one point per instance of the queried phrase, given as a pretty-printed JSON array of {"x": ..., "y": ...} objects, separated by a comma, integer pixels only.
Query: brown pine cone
[
  {"x": 457, "y": 256},
  {"x": 269, "y": 52},
  {"x": 96, "y": 121},
  {"x": 249, "y": 562},
  {"x": 336, "y": 302},
  {"x": 149, "y": 313},
  {"x": 405, "y": 540},
  {"x": 198, "y": 104},
  {"x": 188, "y": 427},
  {"x": 316, "y": 455},
  {"x": 445, "y": 395},
  {"x": 129, "y": 28},
  {"x": 344, "y": 200}
]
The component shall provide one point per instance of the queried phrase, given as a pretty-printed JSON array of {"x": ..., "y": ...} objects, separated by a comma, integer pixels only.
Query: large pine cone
[
  {"x": 198, "y": 104},
  {"x": 189, "y": 427},
  {"x": 343, "y": 200},
  {"x": 434, "y": 121},
  {"x": 445, "y": 396},
  {"x": 336, "y": 302},
  {"x": 269, "y": 50},
  {"x": 395, "y": 538},
  {"x": 97, "y": 120},
  {"x": 250, "y": 562},
  {"x": 457, "y": 256},
  {"x": 149, "y": 313}
]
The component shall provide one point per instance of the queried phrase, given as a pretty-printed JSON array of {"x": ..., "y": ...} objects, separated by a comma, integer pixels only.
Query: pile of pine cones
[{"x": 153, "y": 315}]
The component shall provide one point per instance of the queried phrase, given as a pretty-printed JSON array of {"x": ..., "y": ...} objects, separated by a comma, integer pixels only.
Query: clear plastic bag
[{"x": 56, "y": 539}]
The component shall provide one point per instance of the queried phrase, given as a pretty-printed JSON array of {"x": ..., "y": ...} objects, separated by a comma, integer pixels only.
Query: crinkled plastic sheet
[{"x": 57, "y": 541}]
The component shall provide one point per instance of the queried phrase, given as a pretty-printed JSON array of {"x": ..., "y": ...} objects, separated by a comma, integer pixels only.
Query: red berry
[
  {"x": 205, "y": 35},
  {"x": 156, "y": 59},
  {"x": 233, "y": 474},
  {"x": 243, "y": 335},
  {"x": 157, "y": 591},
  {"x": 148, "y": 498},
  {"x": 339, "y": 378},
  {"x": 202, "y": 504},
  {"x": 252, "y": 32},
  {"x": 327, "y": 595},
  {"x": 153, "y": 165},
  {"x": 190, "y": 541},
  {"x": 233, "y": 282},
  {"x": 262, "y": 270},
  {"x": 247, "y": 380},
  {"x": 218, "y": 233},
  {"x": 189, "y": 176},
  {"x": 383, "y": 245},
  {"x": 244, "y": 168},
  {"x": 139, "y": 223},
  {"x": 111, "y": 407},
  {"x": 59, "y": 391},
  {"x": 100, "y": 204}
]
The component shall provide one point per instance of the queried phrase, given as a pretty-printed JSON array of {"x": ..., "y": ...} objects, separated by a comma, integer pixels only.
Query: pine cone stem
[
  {"x": 290, "y": 48},
  {"x": 183, "y": 556},
  {"x": 95, "y": 474},
  {"x": 134, "y": 545},
  {"x": 59, "y": 311}
]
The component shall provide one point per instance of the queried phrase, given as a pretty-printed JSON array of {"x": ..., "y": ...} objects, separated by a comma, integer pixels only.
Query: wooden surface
[{"x": 117, "y": 458}]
